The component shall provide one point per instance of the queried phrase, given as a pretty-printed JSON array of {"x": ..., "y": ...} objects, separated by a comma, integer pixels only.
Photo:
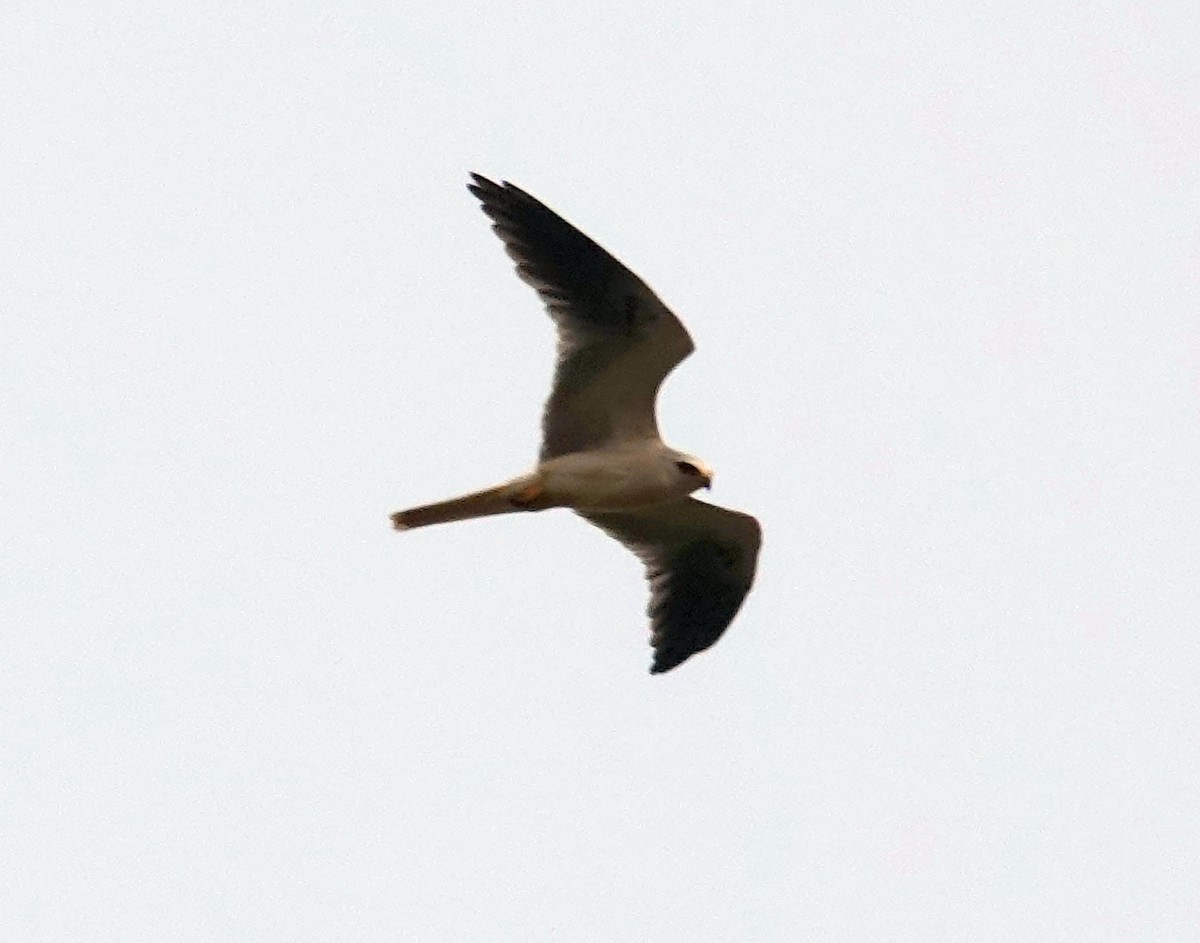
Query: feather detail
[{"x": 499, "y": 500}]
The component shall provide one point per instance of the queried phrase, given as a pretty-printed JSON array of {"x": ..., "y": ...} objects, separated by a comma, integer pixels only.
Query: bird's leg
[{"x": 525, "y": 498}]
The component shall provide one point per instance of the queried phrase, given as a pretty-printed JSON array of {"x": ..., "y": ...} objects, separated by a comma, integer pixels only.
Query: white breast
[{"x": 610, "y": 480}]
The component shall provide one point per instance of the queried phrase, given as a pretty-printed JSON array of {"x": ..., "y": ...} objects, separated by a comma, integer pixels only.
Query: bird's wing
[
  {"x": 616, "y": 340},
  {"x": 700, "y": 561}
]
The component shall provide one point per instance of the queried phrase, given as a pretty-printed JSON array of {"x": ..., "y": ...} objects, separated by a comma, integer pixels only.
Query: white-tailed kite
[{"x": 601, "y": 452}]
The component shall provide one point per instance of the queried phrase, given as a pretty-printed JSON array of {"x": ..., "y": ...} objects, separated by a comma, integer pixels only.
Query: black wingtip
[
  {"x": 480, "y": 186},
  {"x": 661, "y": 667},
  {"x": 485, "y": 189}
]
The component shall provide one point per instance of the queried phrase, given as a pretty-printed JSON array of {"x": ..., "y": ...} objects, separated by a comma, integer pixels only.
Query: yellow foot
[{"x": 527, "y": 495}]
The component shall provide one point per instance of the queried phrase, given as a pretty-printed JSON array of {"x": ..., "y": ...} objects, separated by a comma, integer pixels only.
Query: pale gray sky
[{"x": 940, "y": 263}]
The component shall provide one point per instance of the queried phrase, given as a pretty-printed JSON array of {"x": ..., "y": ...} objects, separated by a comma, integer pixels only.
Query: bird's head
[{"x": 692, "y": 471}]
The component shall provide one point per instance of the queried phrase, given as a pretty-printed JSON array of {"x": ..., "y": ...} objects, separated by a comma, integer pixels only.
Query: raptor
[{"x": 602, "y": 455}]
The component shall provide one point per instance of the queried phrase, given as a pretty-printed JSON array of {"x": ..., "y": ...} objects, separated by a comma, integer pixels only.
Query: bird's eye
[{"x": 688, "y": 469}]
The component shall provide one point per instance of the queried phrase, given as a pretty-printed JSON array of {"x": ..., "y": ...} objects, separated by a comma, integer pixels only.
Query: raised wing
[
  {"x": 700, "y": 561},
  {"x": 616, "y": 340}
]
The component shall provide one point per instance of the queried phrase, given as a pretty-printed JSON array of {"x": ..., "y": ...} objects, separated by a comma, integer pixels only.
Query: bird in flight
[{"x": 601, "y": 452}]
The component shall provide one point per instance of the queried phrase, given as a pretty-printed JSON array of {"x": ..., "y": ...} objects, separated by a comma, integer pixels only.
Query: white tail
[{"x": 485, "y": 503}]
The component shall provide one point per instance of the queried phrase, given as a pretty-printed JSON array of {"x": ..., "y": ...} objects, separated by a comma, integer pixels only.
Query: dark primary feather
[
  {"x": 574, "y": 275},
  {"x": 693, "y": 598},
  {"x": 616, "y": 340},
  {"x": 700, "y": 562}
]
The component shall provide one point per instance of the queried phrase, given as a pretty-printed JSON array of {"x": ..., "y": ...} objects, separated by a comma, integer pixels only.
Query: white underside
[{"x": 613, "y": 479}]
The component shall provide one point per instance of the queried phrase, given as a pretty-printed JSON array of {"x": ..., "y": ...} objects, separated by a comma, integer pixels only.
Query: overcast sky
[{"x": 940, "y": 264}]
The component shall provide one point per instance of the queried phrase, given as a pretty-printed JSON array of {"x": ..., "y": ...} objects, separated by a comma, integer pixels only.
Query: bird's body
[
  {"x": 630, "y": 476},
  {"x": 633, "y": 475},
  {"x": 601, "y": 453}
]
